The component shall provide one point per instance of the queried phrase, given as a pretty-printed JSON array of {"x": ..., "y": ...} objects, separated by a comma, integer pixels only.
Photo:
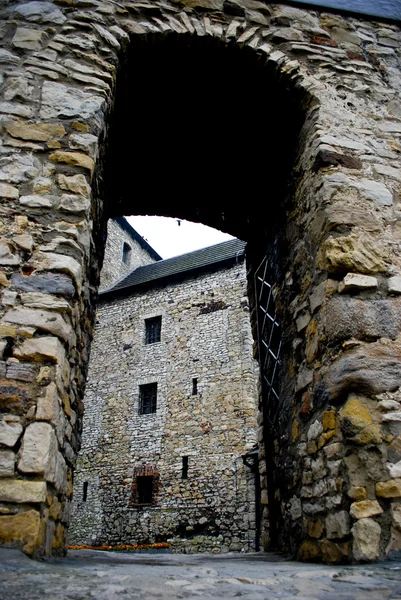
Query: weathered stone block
[
  {"x": 59, "y": 100},
  {"x": 362, "y": 319},
  {"x": 50, "y": 283},
  {"x": 389, "y": 489},
  {"x": 358, "y": 253},
  {"x": 39, "y": 450},
  {"x": 394, "y": 285},
  {"x": 22, "y": 492},
  {"x": 41, "y": 132},
  {"x": 357, "y": 281},
  {"x": 39, "y": 12},
  {"x": 24, "y": 528},
  {"x": 48, "y": 406},
  {"x": 366, "y": 540},
  {"x": 354, "y": 416},
  {"x": 7, "y": 462},
  {"x": 10, "y": 433},
  {"x": 365, "y": 508},
  {"x": 370, "y": 369},
  {"x": 337, "y": 525},
  {"x": 40, "y": 319},
  {"x": 28, "y": 38},
  {"x": 8, "y": 191},
  {"x": 357, "y": 493}
]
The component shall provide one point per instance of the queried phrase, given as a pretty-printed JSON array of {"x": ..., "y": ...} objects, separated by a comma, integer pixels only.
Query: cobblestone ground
[{"x": 107, "y": 575}]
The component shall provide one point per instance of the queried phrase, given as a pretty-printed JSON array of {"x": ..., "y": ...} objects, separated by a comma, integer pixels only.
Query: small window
[
  {"x": 85, "y": 491},
  {"x": 144, "y": 486},
  {"x": 184, "y": 474},
  {"x": 194, "y": 386},
  {"x": 126, "y": 258},
  {"x": 147, "y": 398},
  {"x": 153, "y": 329}
]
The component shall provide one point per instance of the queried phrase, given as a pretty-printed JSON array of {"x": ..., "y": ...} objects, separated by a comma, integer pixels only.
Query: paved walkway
[{"x": 87, "y": 574}]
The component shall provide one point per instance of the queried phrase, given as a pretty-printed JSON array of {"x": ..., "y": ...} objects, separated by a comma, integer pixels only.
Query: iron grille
[{"x": 269, "y": 342}]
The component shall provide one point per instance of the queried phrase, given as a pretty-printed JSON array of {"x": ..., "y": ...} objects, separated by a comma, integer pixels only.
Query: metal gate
[{"x": 269, "y": 343}]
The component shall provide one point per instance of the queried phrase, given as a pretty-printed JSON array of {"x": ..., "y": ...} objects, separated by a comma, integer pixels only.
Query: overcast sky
[{"x": 169, "y": 238}]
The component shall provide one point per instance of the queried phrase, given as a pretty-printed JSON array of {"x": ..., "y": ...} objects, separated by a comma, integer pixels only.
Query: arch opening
[{"x": 207, "y": 131}]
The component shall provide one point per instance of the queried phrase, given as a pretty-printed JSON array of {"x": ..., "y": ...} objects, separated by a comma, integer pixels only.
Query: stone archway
[{"x": 336, "y": 461}]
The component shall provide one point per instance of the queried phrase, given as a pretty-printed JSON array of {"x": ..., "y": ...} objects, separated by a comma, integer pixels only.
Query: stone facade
[
  {"x": 125, "y": 249},
  {"x": 282, "y": 127},
  {"x": 206, "y": 411}
]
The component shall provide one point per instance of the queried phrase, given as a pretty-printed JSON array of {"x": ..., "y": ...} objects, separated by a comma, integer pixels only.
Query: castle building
[{"x": 171, "y": 404}]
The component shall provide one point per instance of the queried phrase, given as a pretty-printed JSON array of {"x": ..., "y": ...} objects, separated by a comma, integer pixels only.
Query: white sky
[{"x": 170, "y": 239}]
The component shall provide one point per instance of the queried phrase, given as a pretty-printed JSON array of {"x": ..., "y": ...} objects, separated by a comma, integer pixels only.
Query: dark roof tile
[{"x": 185, "y": 263}]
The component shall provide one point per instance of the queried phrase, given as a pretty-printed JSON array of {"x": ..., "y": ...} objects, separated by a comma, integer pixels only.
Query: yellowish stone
[
  {"x": 76, "y": 159},
  {"x": 365, "y": 508},
  {"x": 329, "y": 420},
  {"x": 389, "y": 489},
  {"x": 24, "y": 528},
  {"x": 357, "y": 493},
  {"x": 41, "y": 132}
]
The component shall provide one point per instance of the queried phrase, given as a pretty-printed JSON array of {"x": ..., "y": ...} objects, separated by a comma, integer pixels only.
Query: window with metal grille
[
  {"x": 153, "y": 329},
  {"x": 144, "y": 489},
  {"x": 147, "y": 398}
]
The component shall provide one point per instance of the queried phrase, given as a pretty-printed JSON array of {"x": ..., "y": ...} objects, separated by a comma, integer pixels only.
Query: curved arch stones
[{"x": 337, "y": 479}]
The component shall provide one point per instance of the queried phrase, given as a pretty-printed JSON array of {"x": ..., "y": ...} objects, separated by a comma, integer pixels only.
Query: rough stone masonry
[{"x": 331, "y": 230}]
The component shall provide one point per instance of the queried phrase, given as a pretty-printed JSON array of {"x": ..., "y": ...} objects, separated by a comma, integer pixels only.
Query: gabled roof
[
  {"x": 205, "y": 258},
  {"x": 123, "y": 223}
]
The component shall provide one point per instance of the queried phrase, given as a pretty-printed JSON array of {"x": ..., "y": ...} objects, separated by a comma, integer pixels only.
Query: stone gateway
[{"x": 278, "y": 124}]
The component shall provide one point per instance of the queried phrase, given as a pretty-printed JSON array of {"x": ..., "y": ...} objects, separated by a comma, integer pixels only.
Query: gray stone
[
  {"x": 37, "y": 201},
  {"x": 375, "y": 191},
  {"x": 8, "y": 57},
  {"x": 50, "y": 283},
  {"x": 48, "y": 406},
  {"x": 16, "y": 109},
  {"x": 74, "y": 204},
  {"x": 366, "y": 540},
  {"x": 17, "y": 169},
  {"x": 59, "y": 262},
  {"x": 10, "y": 433},
  {"x": 38, "y": 450},
  {"x": 354, "y": 281},
  {"x": 40, "y": 12},
  {"x": 28, "y": 38},
  {"x": 7, "y": 462},
  {"x": 107, "y": 36},
  {"x": 20, "y": 371},
  {"x": 6, "y": 257},
  {"x": 362, "y": 319},
  {"x": 394, "y": 284},
  {"x": 338, "y": 525},
  {"x": 59, "y": 100},
  {"x": 84, "y": 141}
]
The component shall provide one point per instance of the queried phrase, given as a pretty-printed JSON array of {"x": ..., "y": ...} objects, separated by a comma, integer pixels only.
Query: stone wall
[
  {"x": 320, "y": 137},
  {"x": 206, "y": 335},
  {"x": 114, "y": 267}
]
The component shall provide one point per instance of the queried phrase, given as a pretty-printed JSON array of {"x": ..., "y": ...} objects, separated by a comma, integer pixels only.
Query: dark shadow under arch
[{"x": 204, "y": 130}]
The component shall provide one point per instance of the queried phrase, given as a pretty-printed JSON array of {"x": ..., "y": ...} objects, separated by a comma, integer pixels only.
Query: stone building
[
  {"x": 170, "y": 408},
  {"x": 279, "y": 123},
  {"x": 125, "y": 250}
]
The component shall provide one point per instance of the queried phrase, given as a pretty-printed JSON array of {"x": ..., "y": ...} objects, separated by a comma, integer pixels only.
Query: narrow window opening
[
  {"x": 194, "y": 386},
  {"x": 145, "y": 489},
  {"x": 85, "y": 491},
  {"x": 153, "y": 329},
  {"x": 147, "y": 398},
  {"x": 126, "y": 257},
  {"x": 184, "y": 467}
]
